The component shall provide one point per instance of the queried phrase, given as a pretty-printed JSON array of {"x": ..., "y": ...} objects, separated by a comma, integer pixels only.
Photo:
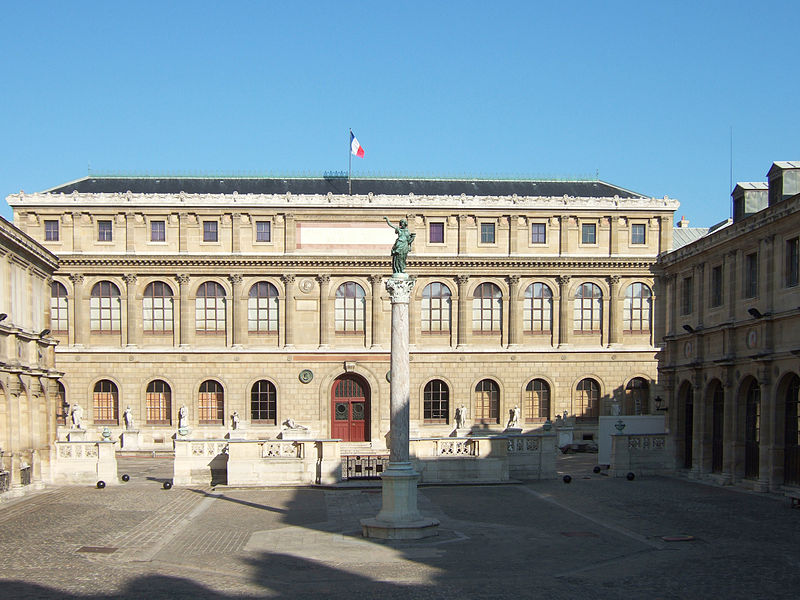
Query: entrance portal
[{"x": 350, "y": 409}]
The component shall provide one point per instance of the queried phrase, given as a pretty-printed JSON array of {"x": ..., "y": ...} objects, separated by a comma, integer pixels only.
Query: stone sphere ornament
[
  {"x": 126, "y": 477},
  {"x": 630, "y": 476},
  {"x": 101, "y": 484},
  {"x": 596, "y": 469},
  {"x": 567, "y": 478},
  {"x": 167, "y": 485}
]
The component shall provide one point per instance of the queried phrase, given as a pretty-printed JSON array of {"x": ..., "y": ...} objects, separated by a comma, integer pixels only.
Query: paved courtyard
[{"x": 594, "y": 538}]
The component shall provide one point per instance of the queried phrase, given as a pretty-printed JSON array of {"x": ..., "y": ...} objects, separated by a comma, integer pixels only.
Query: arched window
[
  {"x": 211, "y": 403},
  {"x": 636, "y": 311},
  {"x": 105, "y": 308},
  {"x": 436, "y": 402},
  {"x": 637, "y": 397},
  {"x": 210, "y": 308},
  {"x": 588, "y": 307},
  {"x": 537, "y": 400},
  {"x": 263, "y": 402},
  {"x": 262, "y": 308},
  {"x": 105, "y": 401},
  {"x": 487, "y": 302},
  {"x": 435, "y": 308},
  {"x": 159, "y": 403},
  {"x": 349, "y": 308},
  {"x": 62, "y": 418},
  {"x": 487, "y": 402},
  {"x": 538, "y": 310},
  {"x": 59, "y": 321},
  {"x": 157, "y": 308},
  {"x": 587, "y": 398}
]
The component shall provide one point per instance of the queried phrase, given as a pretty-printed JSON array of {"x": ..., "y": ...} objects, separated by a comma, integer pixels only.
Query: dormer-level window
[
  {"x": 751, "y": 275},
  {"x": 638, "y": 234},
  {"x": 51, "y": 231},
  {"x": 588, "y": 233},
  {"x": 209, "y": 231},
  {"x": 104, "y": 231},
  {"x": 263, "y": 231},
  {"x": 158, "y": 231}
]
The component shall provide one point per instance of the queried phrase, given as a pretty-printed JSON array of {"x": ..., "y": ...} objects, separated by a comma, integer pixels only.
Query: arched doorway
[
  {"x": 350, "y": 408},
  {"x": 686, "y": 423}
]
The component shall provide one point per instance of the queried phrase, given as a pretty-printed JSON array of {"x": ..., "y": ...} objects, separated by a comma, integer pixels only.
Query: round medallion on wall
[
  {"x": 306, "y": 376},
  {"x": 752, "y": 338},
  {"x": 306, "y": 285},
  {"x": 389, "y": 376},
  {"x": 687, "y": 349}
]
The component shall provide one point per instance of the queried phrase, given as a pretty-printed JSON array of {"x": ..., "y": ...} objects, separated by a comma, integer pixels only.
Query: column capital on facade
[
  {"x": 76, "y": 278},
  {"x": 129, "y": 278},
  {"x": 613, "y": 279},
  {"x": 512, "y": 279},
  {"x": 562, "y": 279},
  {"x": 375, "y": 279},
  {"x": 323, "y": 279},
  {"x": 235, "y": 279},
  {"x": 462, "y": 280},
  {"x": 287, "y": 279},
  {"x": 182, "y": 278},
  {"x": 400, "y": 289}
]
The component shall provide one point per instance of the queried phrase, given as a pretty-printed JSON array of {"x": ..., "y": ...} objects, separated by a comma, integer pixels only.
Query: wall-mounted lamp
[
  {"x": 755, "y": 313},
  {"x": 660, "y": 403},
  {"x": 44, "y": 332},
  {"x": 689, "y": 328},
  {"x": 3, "y": 316}
]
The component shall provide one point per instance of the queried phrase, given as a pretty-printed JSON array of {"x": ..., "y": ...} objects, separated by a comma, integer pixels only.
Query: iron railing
[
  {"x": 5, "y": 481},
  {"x": 25, "y": 475},
  {"x": 369, "y": 466}
]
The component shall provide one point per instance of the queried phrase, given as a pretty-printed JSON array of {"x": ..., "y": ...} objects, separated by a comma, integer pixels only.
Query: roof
[
  {"x": 784, "y": 164},
  {"x": 681, "y": 236},
  {"x": 338, "y": 185},
  {"x": 750, "y": 185}
]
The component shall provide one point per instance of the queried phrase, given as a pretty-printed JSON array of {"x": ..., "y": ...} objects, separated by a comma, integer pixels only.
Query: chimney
[
  {"x": 683, "y": 223},
  {"x": 784, "y": 180},
  {"x": 749, "y": 197}
]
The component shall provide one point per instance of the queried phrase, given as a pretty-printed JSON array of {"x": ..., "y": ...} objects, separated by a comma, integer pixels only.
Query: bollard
[
  {"x": 167, "y": 485},
  {"x": 596, "y": 469},
  {"x": 567, "y": 478},
  {"x": 126, "y": 477},
  {"x": 101, "y": 484},
  {"x": 630, "y": 476}
]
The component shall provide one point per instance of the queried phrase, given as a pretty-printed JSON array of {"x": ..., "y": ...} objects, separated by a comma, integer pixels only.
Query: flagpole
[{"x": 349, "y": 162}]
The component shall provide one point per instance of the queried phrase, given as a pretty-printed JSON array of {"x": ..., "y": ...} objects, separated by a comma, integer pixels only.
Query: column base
[{"x": 399, "y": 518}]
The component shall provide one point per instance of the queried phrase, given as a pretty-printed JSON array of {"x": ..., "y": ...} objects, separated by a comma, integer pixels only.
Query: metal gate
[{"x": 368, "y": 466}]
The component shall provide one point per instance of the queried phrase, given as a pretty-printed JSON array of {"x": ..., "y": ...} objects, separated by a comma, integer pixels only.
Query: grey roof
[
  {"x": 681, "y": 236},
  {"x": 338, "y": 185},
  {"x": 751, "y": 185},
  {"x": 784, "y": 164}
]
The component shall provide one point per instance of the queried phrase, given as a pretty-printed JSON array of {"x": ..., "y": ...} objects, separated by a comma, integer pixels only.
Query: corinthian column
[
  {"x": 513, "y": 313},
  {"x": 186, "y": 312},
  {"x": 134, "y": 330},
  {"x": 564, "y": 321},
  {"x": 614, "y": 316},
  {"x": 377, "y": 337},
  {"x": 461, "y": 281},
  {"x": 324, "y": 317},
  {"x": 288, "y": 310}
]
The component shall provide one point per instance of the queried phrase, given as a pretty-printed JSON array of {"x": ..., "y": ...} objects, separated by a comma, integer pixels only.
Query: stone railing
[
  {"x": 200, "y": 462},
  {"x": 84, "y": 462},
  {"x": 531, "y": 456},
  {"x": 638, "y": 453},
  {"x": 457, "y": 447}
]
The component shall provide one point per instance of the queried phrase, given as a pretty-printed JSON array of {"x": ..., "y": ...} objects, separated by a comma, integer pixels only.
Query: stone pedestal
[
  {"x": 513, "y": 430},
  {"x": 399, "y": 517},
  {"x": 461, "y": 432},
  {"x": 131, "y": 440},
  {"x": 76, "y": 435}
]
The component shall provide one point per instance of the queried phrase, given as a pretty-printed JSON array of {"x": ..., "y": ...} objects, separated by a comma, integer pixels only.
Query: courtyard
[{"x": 596, "y": 537}]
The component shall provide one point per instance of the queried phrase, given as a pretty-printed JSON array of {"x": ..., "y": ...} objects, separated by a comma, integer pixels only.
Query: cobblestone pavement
[{"x": 594, "y": 538}]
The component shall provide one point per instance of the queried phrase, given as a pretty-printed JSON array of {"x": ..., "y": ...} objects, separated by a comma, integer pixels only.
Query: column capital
[
  {"x": 400, "y": 289},
  {"x": 512, "y": 279},
  {"x": 323, "y": 279},
  {"x": 562, "y": 279},
  {"x": 183, "y": 278},
  {"x": 287, "y": 279},
  {"x": 462, "y": 280},
  {"x": 613, "y": 279},
  {"x": 375, "y": 279},
  {"x": 235, "y": 279},
  {"x": 76, "y": 278},
  {"x": 129, "y": 278}
]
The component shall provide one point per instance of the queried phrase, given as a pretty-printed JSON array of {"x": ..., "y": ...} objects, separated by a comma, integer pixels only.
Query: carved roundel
[
  {"x": 306, "y": 285},
  {"x": 752, "y": 338},
  {"x": 389, "y": 376},
  {"x": 306, "y": 375}
]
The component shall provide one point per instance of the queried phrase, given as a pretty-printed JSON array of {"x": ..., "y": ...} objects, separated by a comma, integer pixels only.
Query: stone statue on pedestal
[
  {"x": 513, "y": 418},
  {"x": 402, "y": 245},
  {"x": 461, "y": 417},
  {"x": 127, "y": 418},
  {"x": 290, "y": 424},
  {"x": 182, "y": 416},
  {"x": 235, "y": 420},
  {"x": 76, "y": 414}
]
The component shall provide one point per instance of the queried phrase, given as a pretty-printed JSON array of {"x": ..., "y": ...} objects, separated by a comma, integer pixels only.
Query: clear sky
[{"x": 643, "y": 93}]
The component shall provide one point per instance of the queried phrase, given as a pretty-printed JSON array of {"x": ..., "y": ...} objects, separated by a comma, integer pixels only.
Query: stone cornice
[
  {"x": 13, "y": 239},
  {"x": 285, "y": 202}
]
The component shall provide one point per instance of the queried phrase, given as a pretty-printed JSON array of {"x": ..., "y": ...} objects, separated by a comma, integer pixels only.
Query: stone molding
[{"x": 400, "y": 289}]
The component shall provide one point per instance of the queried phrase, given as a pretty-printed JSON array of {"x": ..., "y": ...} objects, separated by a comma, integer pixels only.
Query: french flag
[{"x": 355, "y": 148}]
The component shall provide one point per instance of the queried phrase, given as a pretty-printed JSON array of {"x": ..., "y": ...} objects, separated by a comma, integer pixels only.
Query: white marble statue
[
  {"x": 182, "y": 415},
  {"x": 290, "y": 424},
  {"x": 127, "y": 418},
  {"x": 235, "y": 420},
  {"x": 76, "y": 413},
  {"x": 615, "y": 409},
  {"x": 513, "y": 418},
  {"x": 461, "y": 417}
]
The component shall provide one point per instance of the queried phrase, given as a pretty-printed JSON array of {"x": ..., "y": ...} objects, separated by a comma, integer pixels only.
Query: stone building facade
[
  {"x": 730, "y": 366},
  {"x": 266, "y": 297},
  {"x": 28, "y": 378}
]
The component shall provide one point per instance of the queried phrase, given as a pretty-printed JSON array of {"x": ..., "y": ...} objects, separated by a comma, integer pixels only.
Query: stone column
[
  {"x": 767, "y": 430},
  {"x": 728, "y": 430},
  {"x": 238, "y": 320},
  {"x": 134, "y": 329},
  {"x": 289, "y": 233},
  {"x": 463, "y": 319},
  {"x": 186, "y": 313},
  {"x": 324, "y": 316},
  {"x": 288, "y": 310},
  {"x": 513, "y": 311},
  {"x": 79, "y": 312},
  {"x": 614, "y": 314},
  {"x": 564, "y": 320},
  {"x": 377, "y": 337},
  {"x": 399, "y": 517}
]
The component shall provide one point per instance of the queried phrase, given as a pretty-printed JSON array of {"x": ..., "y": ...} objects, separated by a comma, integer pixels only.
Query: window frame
[
  {"x": 105, "y": 311},
  {"x": 349, "y": 318},
  {"x": 215, "y": 403},
  {"x": 717, "y": 286},
  {"x": 163, "y": 399},
  {"x": 440, "y": 304},
  {"x": 537, "y": 401},
  {"x": 266, "y": 401},
  {"x": 534, "y": 233},
  {"x": 641, "y": 305},
  {"x": 792, "y": 262},
  {"x": 436, "y": 402},
  {"x": 493, "y": 228},
  {"x": 103, "y": 233},
  {"x": 163, "y": 232},
  {"x": 57, "y": 310},
  {"x": 585, "y": 229},
  {"x": 48, "y": 231},
  {"x": 492, "y": 402},
  {"x": 166, "y": 309},
  {"x": 637, "y": 228},
  {"x": 530, "y": 310},
  {"x": 594, "y": 304},
  {"x": 270, "y": 308},
  {"x": 587, "y": 399},
  {"x": 687, "y": 295},
  {"x": 215, "y": 306},
  {"x": 213, "y": 227},
  {"x": 750, "y": 279},
  {"x": 487, "y": 304},
  {"x": 438, "y": 224},
  {"x": 258, "y": 233},
  {"x": 103, "y": 412}
]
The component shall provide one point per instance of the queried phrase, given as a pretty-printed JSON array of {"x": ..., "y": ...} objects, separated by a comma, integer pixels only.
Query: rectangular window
[
  {"x": 751, "y": 275},
  {"x": 51, "y": 231},
  {"x": 792, "y": 262},
  {"x": 487, "y": 233},
  {"x": 104, "y": 231},
  {"x": 538, "y": 233},
  {"x": 158, "y": 231},
  {"x": 263, "y": 231},
  {"x": 588, "y": 233},
  {"x": 716, "y": 286},
  {"x": 209, "y": 231},
  {"x": 687, "y": 295},
  {"x": 638, "y": 233},
  {"x": 436, "y": 233}
]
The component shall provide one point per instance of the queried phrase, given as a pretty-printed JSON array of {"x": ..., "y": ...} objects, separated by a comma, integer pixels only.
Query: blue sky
[{"x": 643, "y": 93}]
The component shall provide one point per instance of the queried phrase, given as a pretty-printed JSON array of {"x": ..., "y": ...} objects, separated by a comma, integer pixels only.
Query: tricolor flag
[{"x": 355, "y": 148}]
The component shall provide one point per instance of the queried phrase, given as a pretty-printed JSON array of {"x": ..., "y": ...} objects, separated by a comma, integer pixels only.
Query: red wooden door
[{"x": 350, "y": 409}]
